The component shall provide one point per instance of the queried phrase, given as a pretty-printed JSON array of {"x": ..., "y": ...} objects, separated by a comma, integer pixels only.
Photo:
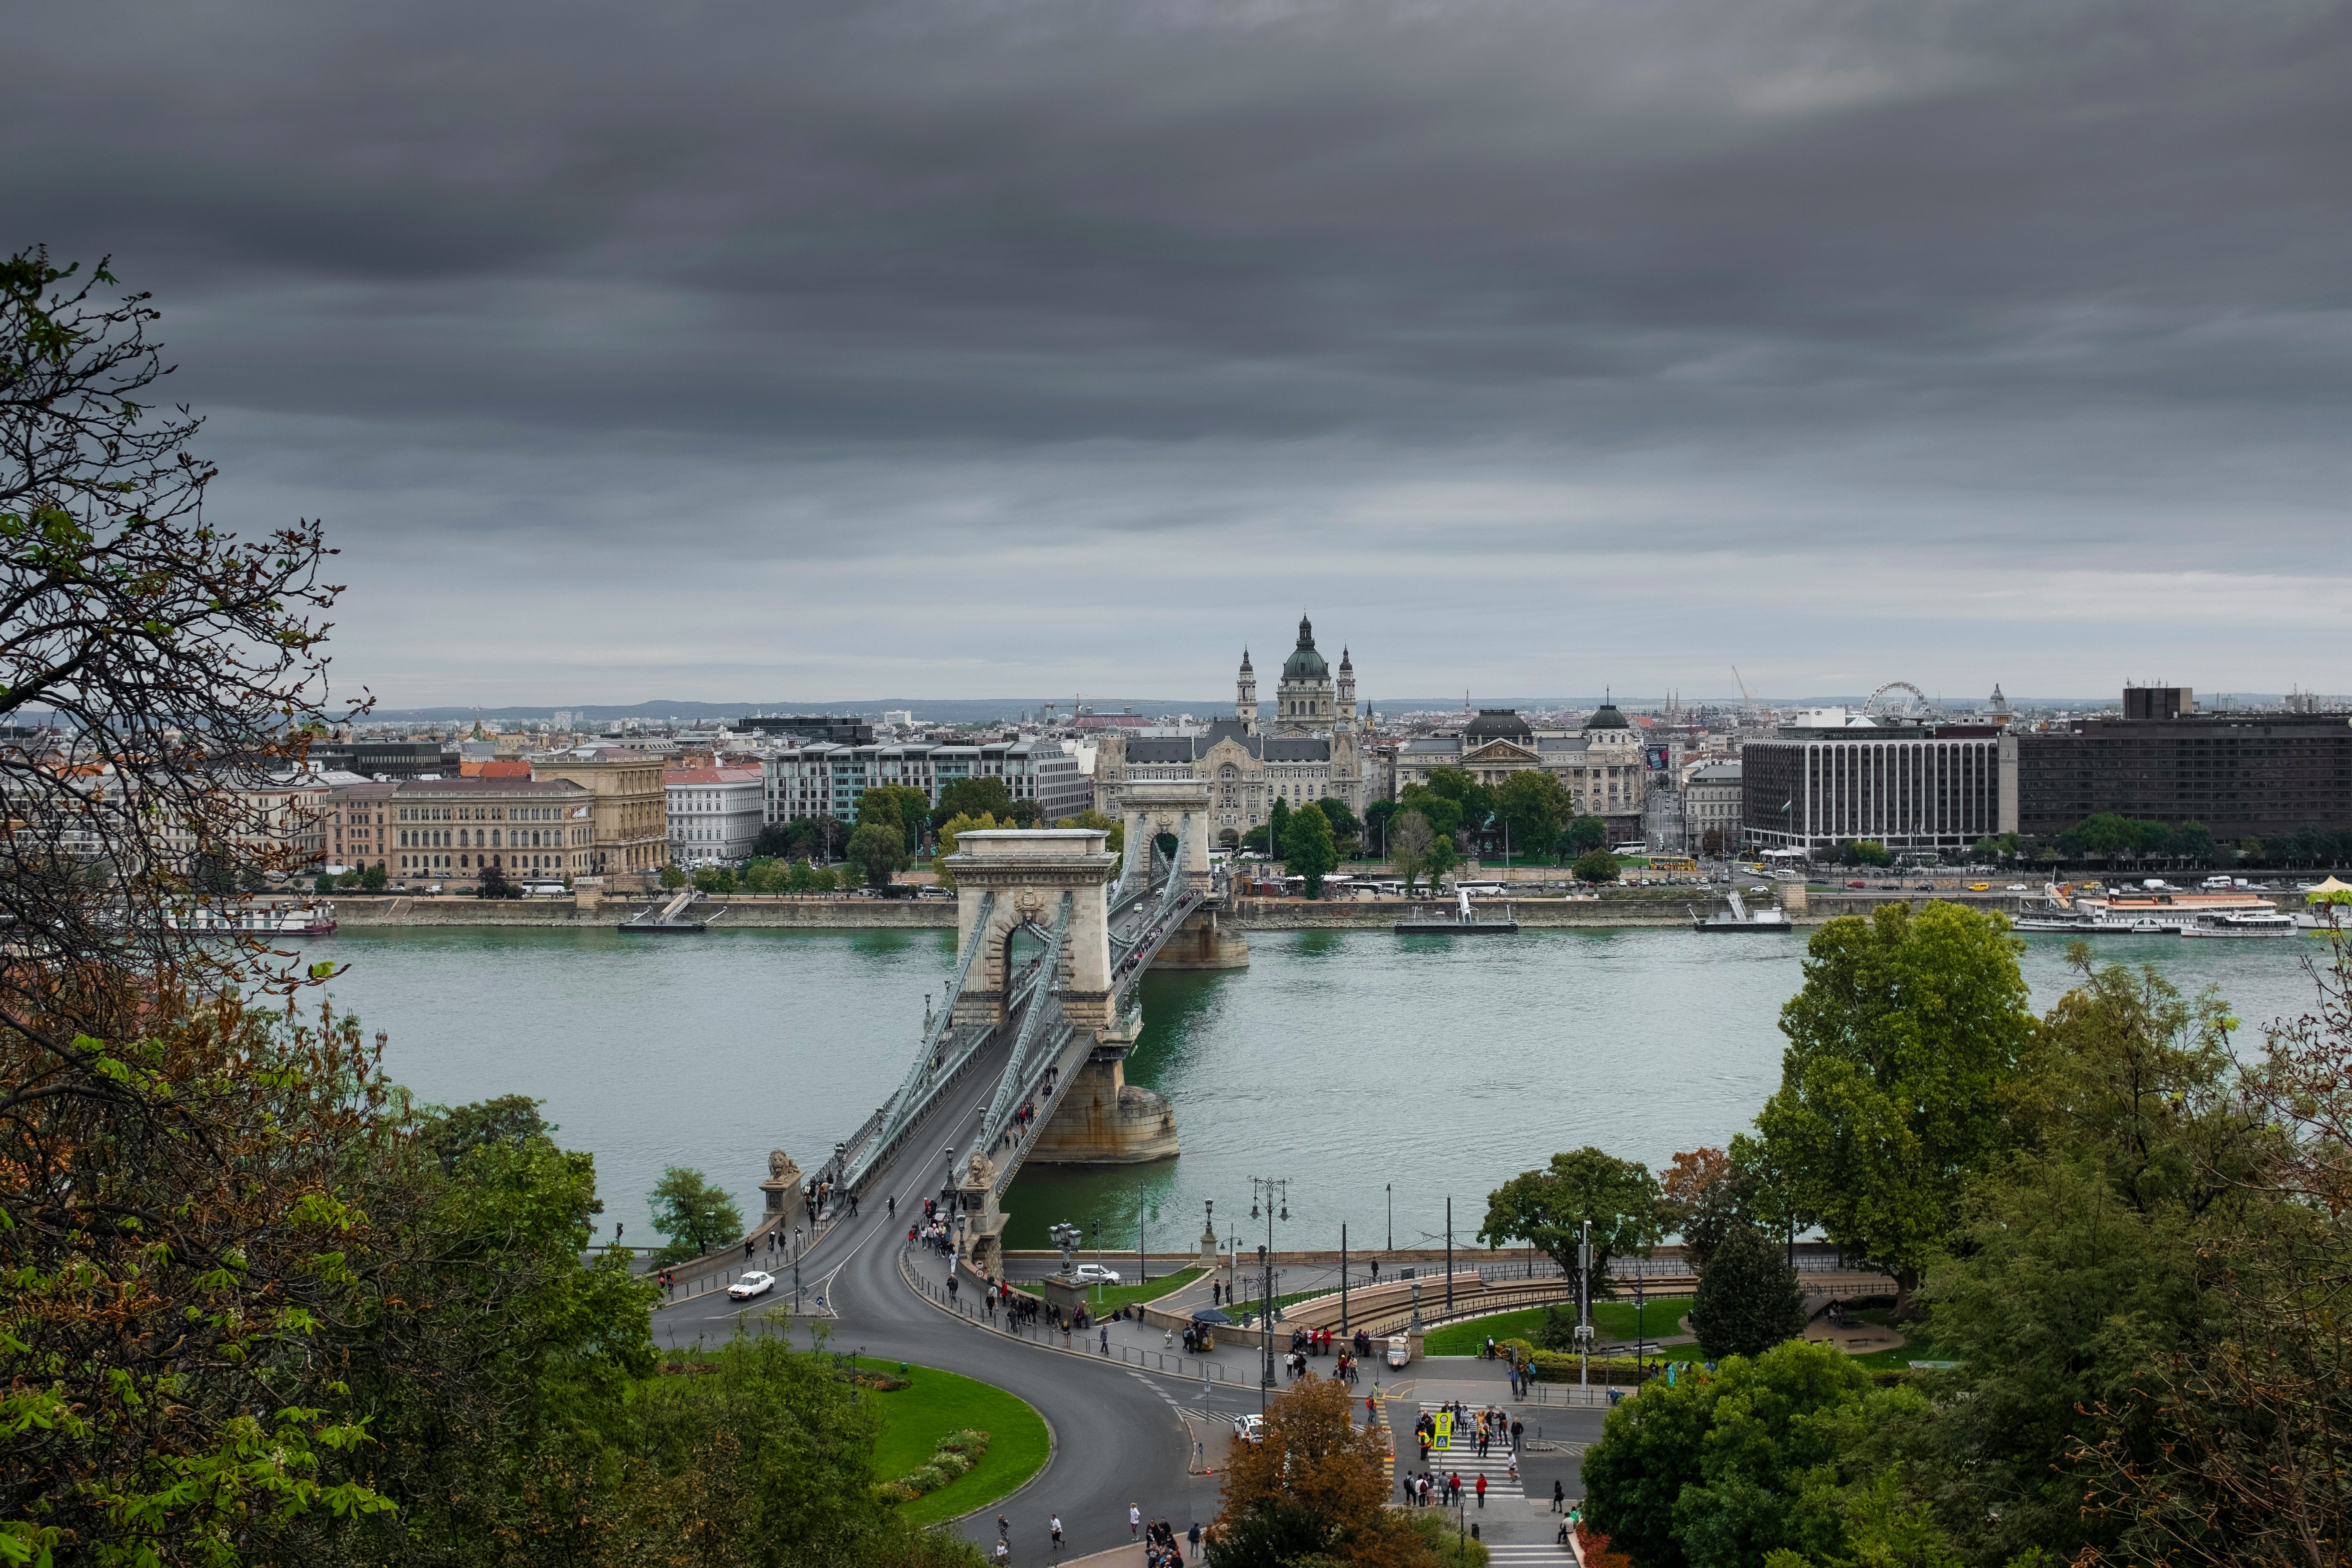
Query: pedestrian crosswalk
[
  {"x": 1456, "y": 1454},
  {"x": 1500, "y": 1555}
]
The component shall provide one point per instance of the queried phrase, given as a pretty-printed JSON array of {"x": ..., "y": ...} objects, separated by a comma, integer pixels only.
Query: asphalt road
[{"x": 1118, "y": 1435}]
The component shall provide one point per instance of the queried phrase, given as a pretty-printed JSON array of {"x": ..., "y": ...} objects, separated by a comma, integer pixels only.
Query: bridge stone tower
[
  {"x": 1029, "y": 870},
  {"x": 1150, "y": 809}
]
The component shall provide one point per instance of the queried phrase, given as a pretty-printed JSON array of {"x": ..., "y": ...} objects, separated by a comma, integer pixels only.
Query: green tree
[
  {"x": 1410, "y": 841},
  {"x": 672, "y": 877},
  {"x": 1714, "y": 1472},
  {"x": 1705, "y": 1195},
  {"x": 949, "y": 831},
  {"x": 1907, "y": 1037},
  {"x": 1309, "y": 851},
  {"x": 1277, "y": 828},
  {"x": 1548, "y": 1209},
  {"x": 1343, "y": 821},
  {"x": 695, "y": 1214},
  {"x": 879, "y": 850},
  {"x": 972, "y": 797},
  {"x": 1711, "y": 842},
  {"x": 1378, "y": 817},
  {"x": 1441, "y": 812},
  {"x": 1748, "y": 1298},
  {"x": 1596, "y": 866},
  {"x": 493, "y": 884},
  {"x": 763, "y": 1460},
  {"x": 1532, "y": 805},
  {"x": 1024, "y": 813},
  {"x": 1583, "y": 836},
  {"x": 1117, "y": 830},
  {"x": 374, "y": 878},
  {"x": 1442, "y": 856},
  {"x": 901, "y": 807}
]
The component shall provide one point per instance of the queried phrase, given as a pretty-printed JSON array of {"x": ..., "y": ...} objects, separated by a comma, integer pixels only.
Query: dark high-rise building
[
  {"x": 839, "y": 731},
  {"x": 2243, "y": 775},
  {"x": 384, "y": 759}
]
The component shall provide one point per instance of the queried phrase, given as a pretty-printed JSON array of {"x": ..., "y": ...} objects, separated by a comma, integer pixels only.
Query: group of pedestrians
[
  {"x": 1163, "y": 1547},
  {"x": 1423, "y": 1487}
]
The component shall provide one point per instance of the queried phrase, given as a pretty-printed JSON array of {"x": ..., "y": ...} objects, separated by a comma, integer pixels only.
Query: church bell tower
[{"x": 1245, "y": 696}]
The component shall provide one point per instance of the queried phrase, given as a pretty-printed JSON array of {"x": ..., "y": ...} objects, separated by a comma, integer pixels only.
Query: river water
[{"x": 1366, "y": 1069}]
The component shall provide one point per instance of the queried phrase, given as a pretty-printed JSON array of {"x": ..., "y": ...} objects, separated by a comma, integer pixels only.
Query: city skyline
[{"x": 1041, "y": 346}]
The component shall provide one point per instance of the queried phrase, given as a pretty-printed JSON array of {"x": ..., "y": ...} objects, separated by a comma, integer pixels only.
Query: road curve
[{"x": 1118, "y": 1438}]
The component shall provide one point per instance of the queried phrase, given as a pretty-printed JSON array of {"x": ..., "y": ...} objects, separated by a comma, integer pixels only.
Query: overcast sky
[{"x": 793, "y": 352}]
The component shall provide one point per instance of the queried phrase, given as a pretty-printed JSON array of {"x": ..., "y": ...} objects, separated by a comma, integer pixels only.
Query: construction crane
[{"x": 1747, "y": 703}]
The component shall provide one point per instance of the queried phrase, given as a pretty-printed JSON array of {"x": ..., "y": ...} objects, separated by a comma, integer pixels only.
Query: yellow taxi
[{"x": 1979, "y": 887}]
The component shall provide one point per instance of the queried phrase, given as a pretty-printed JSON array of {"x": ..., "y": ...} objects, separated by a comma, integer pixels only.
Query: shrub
[
  {"x": 1519, "y": 1350},
  {"x": 950, "y": 1463},
  {"x": 923, "y": 1478},
  {"x": 966, "y": 1442}
]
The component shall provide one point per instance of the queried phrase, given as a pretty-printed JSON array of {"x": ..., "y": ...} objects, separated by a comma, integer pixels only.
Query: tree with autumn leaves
[{"x": 1312, "y": 1492}]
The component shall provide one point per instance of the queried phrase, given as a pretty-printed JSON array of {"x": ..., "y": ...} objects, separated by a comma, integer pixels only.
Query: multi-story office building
[
  {"x": 825, "y": 780},
  {"x": 1712, "y": 797},
  {"x": 2243, "y": 775},
  {"x": 1842, "y": 776},
  {"x": 384, "y": 759},
  {"x": 715, "y": 814},
  {"x": 451, "y": 830}
]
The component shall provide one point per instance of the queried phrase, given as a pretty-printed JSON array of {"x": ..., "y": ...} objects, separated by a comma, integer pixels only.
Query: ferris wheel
[{"x": 1918, "y": 698}]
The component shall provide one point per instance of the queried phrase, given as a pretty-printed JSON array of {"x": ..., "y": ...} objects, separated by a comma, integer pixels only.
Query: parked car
[
  {"x": 935, "y": 893},
  {"x": 1250, "y": 1428},
  {"x": 751, "y": 1284},
  {"x": 2020, "y": 887},
  {"x": 1923, "y": 886},
  {"x": 1857, "y": 884},
  {"x": 1095, "y": 1274}
]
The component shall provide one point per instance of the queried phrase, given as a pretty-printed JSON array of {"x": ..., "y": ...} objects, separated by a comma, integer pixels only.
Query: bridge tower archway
[
  {"x": 1029, "y": 870},
  {"x": 1151, "y": 812}
]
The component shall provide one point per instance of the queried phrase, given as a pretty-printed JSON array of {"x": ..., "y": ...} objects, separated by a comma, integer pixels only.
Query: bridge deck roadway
[
  {"x": 1119, "y": 1434},
  {"x": 1118, "y": 1439}
]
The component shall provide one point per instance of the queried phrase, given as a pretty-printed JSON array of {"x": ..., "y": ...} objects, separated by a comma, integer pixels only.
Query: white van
[{"x": 2222, "y": 882}]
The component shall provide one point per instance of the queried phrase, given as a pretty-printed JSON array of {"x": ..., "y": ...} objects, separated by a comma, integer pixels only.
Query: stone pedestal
[
  {"x": 1209, "y": 1250},
  {"x": 587, "y": 892},
  {"x": 1790, "y": 897},
  {"x": 1063, "y": 1293},
  {"x": 780, "y": 1190}
]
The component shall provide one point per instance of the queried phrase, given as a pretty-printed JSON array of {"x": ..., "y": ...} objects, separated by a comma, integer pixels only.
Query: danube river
[{"x": 1349, "y": 1062}]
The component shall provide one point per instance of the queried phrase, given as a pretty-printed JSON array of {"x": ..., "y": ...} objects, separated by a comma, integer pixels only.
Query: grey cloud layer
[{"x": 1945, "y": 283}]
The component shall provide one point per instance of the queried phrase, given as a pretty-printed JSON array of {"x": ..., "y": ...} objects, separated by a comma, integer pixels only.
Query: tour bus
[
  {"x": 1675, "y": 865},
  {"x": 1634, "y": 849},
  {"x": 1480, "y": 890}
]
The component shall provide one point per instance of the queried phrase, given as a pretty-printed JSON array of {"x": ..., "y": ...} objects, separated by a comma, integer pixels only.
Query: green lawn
[
  {"x": 943, "y": 1402},
  {"x": 1918, "y": 1345},
  {"x": 1613, "y": 1323},
  {"x": 1111, "y": 1298}
]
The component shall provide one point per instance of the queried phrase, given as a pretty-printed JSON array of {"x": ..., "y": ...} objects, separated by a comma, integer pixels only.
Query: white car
[
  {"x": 751, "y": 1284},
  {"x": 1249, "y": 1428},
  {"x": 2015, "y": 887},
  {"x": 1095, "y": 1274}
]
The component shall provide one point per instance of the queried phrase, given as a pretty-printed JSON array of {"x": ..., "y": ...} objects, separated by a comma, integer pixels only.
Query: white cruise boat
[{"x": 2243, "y": 924}]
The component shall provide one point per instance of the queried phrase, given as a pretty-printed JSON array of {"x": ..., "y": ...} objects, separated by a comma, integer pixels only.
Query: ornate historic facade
[{"x": 1308, "y": 747}]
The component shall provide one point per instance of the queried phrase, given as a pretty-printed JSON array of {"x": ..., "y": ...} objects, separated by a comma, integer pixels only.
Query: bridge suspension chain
[
  {"x": 1044, "y": 1001},
  {"x": 900, "y": 1108}
]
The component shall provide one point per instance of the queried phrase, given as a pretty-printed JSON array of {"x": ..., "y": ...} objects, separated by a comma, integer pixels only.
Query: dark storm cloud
[{"x": 1943, "y": 283}]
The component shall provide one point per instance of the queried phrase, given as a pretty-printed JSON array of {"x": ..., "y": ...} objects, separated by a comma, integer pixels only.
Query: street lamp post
[
  {"x": 1275, "y": 1191},
  {"x": 1390, "y": 1188}
]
